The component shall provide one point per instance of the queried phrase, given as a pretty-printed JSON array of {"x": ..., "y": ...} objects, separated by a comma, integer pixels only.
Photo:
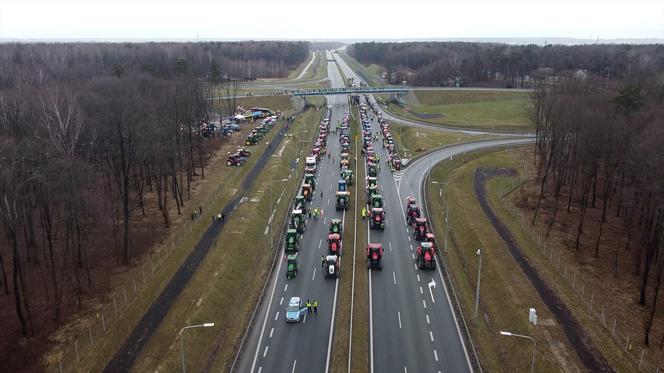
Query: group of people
[
  {"x": 312, "y": 306},
  {"x": 196, "y": 213}
]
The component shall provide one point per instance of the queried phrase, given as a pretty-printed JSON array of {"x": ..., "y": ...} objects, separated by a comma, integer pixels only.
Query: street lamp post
[
  {"x": 477, "y": 292},
  {"x": 510, "y": 334},
  {"x": 206, "y": 325},
  {"x": 447, "y": 207}
]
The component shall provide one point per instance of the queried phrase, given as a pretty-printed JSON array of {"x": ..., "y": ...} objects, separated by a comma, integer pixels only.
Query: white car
[{"x": 294, "y": 309}]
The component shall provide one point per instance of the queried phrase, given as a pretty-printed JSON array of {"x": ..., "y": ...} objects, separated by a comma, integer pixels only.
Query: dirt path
[
  {"x": 124, "y": 358},
  {"x": 578, "y": 339}
]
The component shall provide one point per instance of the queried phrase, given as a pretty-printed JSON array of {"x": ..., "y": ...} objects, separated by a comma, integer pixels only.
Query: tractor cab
[
  {"x": 426, "y": 258},
  {"x": 311, "y": 180},
  {"x": 377, "y": 218},
  {"x": 374, "y": 256},
  {"x": 343, "y": 164},
  {"x": 420, "y": 229},
  {"x": 300, "y": 203},
  {"x": 372, "y": 181},
  {"x": 372, "y": 169},
  {"x": 345, "y": 147},
  {"x": 376, "y": 201},
  {"x": 342, "y": 185},
  {"x": 345, "y": 156},
  {"x": 348, "y": 176},
  {"x": 336, "y": 226},
  {"x": 342, "y": 200},
  {"x": 412, "y": 212},
  {"x": 292, "y": 243},
  {"x": 291, "y": 266},
  {"x": 252, "y": 139},
  {"x": 334, "y": 244},
  {"x": 332, "y": 266},
  {"x": 315, "y": 152},
  {"x": 429, "y": 237},
  {"x": 307, "y": 192},
  {"x": 243, "y": 152},
  {"x": 297, "y": 221}
]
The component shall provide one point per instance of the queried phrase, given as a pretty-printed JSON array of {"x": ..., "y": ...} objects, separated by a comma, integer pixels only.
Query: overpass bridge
[{"x": 346, "y": 91}]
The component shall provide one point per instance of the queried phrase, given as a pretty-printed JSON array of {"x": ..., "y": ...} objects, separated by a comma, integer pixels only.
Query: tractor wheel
[
  {"x": 420, "y": 263},
  {"x": 229, "y": 163}
]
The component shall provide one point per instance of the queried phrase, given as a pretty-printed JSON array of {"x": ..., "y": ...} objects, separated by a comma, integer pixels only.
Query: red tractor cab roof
[
  {"x": 421, "y": 220},
  {"x": 374, "y": 246},
  {"x": 333, "y": 237}
]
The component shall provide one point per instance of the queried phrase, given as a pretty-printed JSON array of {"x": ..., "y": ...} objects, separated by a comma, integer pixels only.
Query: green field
[{"x": 494, "y": 110}]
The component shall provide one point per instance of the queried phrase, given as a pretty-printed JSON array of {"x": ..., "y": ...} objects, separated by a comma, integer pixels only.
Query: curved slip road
[{"x": 272, "y": 344}]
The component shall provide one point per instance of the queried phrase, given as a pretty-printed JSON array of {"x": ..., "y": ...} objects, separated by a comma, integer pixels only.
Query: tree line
[
  {"x": 94, "y": 137},
  {"x": 499, "y": 65},
  {"x": 599, "y": 145}
]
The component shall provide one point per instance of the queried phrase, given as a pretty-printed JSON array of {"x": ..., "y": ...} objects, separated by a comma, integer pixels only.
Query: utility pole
[
  {"x": 477, "y": 293},
  {"x": 447, "y": 211}
]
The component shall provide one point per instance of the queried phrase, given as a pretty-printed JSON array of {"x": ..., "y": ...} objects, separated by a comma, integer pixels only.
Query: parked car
[{"x": 294, "y": 309}]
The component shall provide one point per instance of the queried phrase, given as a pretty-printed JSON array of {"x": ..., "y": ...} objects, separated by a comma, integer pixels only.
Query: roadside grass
[
  {"x": 507, "y": 115},
  {"x": 370, "y": 73},
  {"x": 227, "y": 285},
  {"x": 506, "y": 293},
  {"x": 437, "y": 97},
  {"x": 213, "y": 198},
  {"x": 294, "y": 73},
  {"x": 413, "y": 141}
]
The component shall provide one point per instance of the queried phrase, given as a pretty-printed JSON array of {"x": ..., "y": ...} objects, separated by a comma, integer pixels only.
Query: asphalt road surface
[{"x": 272, "y": 344}]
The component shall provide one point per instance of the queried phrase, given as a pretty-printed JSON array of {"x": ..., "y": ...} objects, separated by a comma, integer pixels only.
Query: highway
[
  {"x": 272, "y": 344},
  {"x": 412, "y": 325}
]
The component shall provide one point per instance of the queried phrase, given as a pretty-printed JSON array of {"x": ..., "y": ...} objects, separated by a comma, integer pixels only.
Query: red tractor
[
  {"x": 420, "y": 229},
  {"x": 377, "y": 218},
  {"x": 374, "y": 256},
  {"x": 334, "y": 244},
  {"x": 412, "y": 211},
  {"x": 235, "y": 160},
  {"x": 426, "y": 256},
  {"x": 430, "y": 238}
]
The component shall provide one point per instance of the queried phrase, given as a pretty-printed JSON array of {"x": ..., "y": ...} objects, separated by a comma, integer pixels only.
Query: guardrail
[{"x": 345, "y": 91}]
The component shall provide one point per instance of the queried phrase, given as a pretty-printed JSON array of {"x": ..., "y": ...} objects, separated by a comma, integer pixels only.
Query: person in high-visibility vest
[
  {"x": 315, "y": 306},
  {"x": 364, "y": 213}
]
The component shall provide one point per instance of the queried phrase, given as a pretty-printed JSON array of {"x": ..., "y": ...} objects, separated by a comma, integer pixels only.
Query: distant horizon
[{"x": 561, "y": 40}]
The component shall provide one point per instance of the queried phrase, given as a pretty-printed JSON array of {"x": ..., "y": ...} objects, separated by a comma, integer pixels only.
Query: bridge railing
[{"x": 346, "y": 90}]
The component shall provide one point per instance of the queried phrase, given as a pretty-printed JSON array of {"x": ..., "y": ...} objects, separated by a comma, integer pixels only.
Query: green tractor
[
  {"x": 336, "y": 226},
  {"x": 371, "y": 190},
  {"x": 311, "y": 180},
  {"x": 301, "y": 204},
  {"x": 342, "y": 200},
  {"x": 372, "y": 169},
  {"x": 297, "y": 221},
  {"x": 376, "y": 201},
  {"x": 291, "y": 266},
  {"x": 292, "y": 243},
  {"x": 252, "y": 139},
  {"x": 347, "y": 175},
  {"x": 372, "y": 181}
]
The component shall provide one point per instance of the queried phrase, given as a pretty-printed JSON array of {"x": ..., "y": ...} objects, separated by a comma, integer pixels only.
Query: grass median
[
  {"x": 413, "y": 141},
  {"x": 227, "y": 285},
  {"x": 506, "y": 293}
]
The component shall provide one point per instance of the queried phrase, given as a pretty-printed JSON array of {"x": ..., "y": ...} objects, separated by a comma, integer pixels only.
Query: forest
[
  {"x": 500, "y": 65},
  {"x": 89, "y": 133},
  {"x": 599, "y": 146}
]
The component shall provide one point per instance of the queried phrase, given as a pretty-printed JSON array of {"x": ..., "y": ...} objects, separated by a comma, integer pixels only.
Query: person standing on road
[
  {"x": 315, "y": 306},
  {"x": 322, "y": 261},
  {"x": 308, "y": 306},
  {"x": 364, "y": 213}
]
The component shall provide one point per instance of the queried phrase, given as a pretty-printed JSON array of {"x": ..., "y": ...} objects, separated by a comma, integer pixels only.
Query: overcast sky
[{"x": 340, "y": 19}]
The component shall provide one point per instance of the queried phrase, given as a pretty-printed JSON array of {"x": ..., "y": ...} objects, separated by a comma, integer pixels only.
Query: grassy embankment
[
  {"x": 490, "y": 110},
  {"x": 413, "y": 141},
  {"x": 506, "y": 292},
  {"x": 212, "y": 197},
  {"x": 372, "y": 74}
]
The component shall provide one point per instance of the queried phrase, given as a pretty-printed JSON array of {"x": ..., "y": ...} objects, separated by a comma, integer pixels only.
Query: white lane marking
[
  {"x": 314, "y": 275},
  {"x": 421, "y": 291},
  {"x": 432, "y": 284},
  {"x": 415, "y": 265},
  {"x": 281, "y": 301},
  {"x": 276, "y": 315},
  {"x": 390, "y": 243},
  {"x": 320, "y": 243},
  {"x": 265, "y": 352},
  {"x": 325, "y": 220},
  {"x": 304, "y": 319},
  {"x": 405, "y": 370},
  {"x": 424, "y": 303},
  {"x": 408, "y": 238},
  {"x": 411, "y": 247},
  {"x": 260, "y": 369},
  {"x": 285, "y": 287},
  {"x": 328, "y": 201},
  {"x": 412, "y": 255},
  {"x": 294, "y": 362},
  {"x": 399, "y": 316},
  {"x": 407, "y": 230},
  {"x": 435, "y": 355},
  {"x": 271, "y": 332},
  {"x": 394, "y": 278},
  {"x": 428, "y": 321},
  {"x": 431, "y": 335},
  {"x": 418, "y": 278},
  {"x": 386, "y": 224}
]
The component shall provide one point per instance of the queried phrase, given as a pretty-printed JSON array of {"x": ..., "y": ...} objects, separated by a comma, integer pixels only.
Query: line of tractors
[
  {"x": 375, "y": 206},
  {"x": 426, "y": 249},
  {"x": 302, "y": 209}
]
